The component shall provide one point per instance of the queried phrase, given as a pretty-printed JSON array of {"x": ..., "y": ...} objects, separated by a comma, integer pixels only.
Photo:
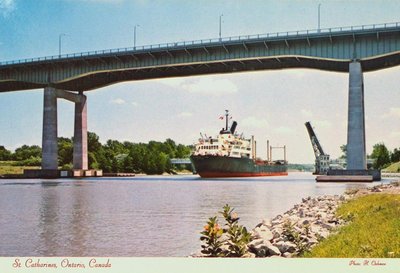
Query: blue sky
[{"x": 270, "y": 105}]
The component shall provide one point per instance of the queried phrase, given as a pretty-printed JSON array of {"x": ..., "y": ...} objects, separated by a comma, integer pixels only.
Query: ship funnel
[{"x": 233, "y": 127}]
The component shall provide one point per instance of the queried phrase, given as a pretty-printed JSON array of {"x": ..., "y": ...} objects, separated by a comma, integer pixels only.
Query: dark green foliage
[
  {"x": 237, "y": 234},
  {"x": 114, "y": 156},
  {"x": 235, "y": 242},
  {"x": 25, "y": 152},
  {"x": 4, "y": 154},
  {"x": 381, "y": 155},
  {"x": 151, "y": 158},
  {"x": 395, "y": 155},
  {"x": 295, "y": 237},
  {"x": 211, "y": 236},
  {"x": 65, "y": 148}
]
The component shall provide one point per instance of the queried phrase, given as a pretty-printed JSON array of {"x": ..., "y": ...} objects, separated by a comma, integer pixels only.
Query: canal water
[{"x": 143, "y": 216}]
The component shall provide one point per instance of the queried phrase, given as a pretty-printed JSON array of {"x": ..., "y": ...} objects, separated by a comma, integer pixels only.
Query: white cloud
[
  {"x": 395, "y": 135},
  {"x": 306, "y": 113},
  {"x": 284, "y": 130},
  {"x": 211, "y": 87},
  {"x": 322, "y": 124},
  {"x": 173, "y": 82},
  {"x": 118, "y": 101},
  {"x": 393, "y": 112},
  {"x": 134, "y": 103},
  {"x": 6, "y": 7},
  {"x": 185, "y": 115},
  {"x": 254, "y": 122},
  {"x": 204, "y": 86}
]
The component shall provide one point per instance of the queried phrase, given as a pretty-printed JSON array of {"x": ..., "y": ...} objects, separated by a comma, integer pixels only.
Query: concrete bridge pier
[
  {"x": 356, "y": 153},
  {"x": 49, "y": 138},
  {"x": 80, "y": 157},
  {"x": 49, "y": 134}
]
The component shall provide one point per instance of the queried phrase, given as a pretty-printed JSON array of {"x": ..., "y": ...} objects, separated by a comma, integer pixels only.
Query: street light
[
  {"x": 319, "y": 17},
  {"x": 134, "y": 36},
  {"x": 59, "y": 44},
  {"x": 220, "y": 23}
]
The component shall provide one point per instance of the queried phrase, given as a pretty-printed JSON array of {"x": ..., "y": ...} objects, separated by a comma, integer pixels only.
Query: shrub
[{"x": 233, "y": 244}]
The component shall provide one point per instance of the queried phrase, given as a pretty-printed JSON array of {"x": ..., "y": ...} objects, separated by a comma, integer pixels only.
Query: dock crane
[{"x": 321, "y": 158}]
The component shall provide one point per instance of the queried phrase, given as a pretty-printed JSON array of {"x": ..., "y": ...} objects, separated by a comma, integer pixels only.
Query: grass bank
[
  {"x": 7, "y": 168},
  {"x": 394, "y": 168},
  {"x": 373, "y": 231}
]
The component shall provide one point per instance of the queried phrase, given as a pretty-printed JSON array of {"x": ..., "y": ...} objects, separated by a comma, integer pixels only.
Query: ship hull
[{"x": 219, "y": 166}]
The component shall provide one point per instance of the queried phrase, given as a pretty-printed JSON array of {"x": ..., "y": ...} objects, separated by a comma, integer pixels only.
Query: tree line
[
  {"x": 113, "y": 156},
  {"x": 381, "y": 155}
]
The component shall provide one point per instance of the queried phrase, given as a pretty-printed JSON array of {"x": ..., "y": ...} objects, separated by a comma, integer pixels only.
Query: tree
[
  {"x": 4, "y": 154},
  {"x": 395, "y": 156},
  {"x": 343, "y": 148},
  {"x": 26, "y": 152},
  {"x": 65, "y": 151},
  {"x": 381, "y": 155}
]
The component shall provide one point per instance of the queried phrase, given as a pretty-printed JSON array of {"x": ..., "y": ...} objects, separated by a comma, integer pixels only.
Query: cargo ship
[{"x": 232, "y": 155}]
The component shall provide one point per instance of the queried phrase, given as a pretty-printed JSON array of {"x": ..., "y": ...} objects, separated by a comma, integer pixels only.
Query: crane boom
[
  {"x": 321, "y": 158},
  {"x": 314, "y": 140}
]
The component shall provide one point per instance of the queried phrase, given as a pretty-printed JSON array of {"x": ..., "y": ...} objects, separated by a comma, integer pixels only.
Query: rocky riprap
[
  {"x": 305, "y": 225},
  {"x": 302, "y": 227},
  {"x": 298, "y": 229}
]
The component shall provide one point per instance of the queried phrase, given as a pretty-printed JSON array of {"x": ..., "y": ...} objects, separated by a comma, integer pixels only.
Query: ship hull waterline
[{"x": 219, "y": 167}]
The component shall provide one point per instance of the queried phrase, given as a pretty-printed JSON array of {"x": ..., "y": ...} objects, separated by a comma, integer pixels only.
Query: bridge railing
[{"x": 205, "y": 42}]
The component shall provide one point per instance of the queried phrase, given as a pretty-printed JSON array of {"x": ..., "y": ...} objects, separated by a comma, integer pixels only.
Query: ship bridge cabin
[{"x": 226, "y": 144}]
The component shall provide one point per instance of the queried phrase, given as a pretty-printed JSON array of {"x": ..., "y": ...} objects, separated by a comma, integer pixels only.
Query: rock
[
  {"x": 253, "y": 244},
  {"x": 267, "y": 223},
  {"x": 272, "y": 250},
  {"x": 327, "y": 226},
  {"x": 277, "y": 232},
  {"x": 263, "y": 233},
  {"x": 312, "y": 241},
  {"x": 286, "y": 247},
  {"x": 294, "y": 218},
  {"x": 261, "y": 252},
  {"x": 287, "y": 255},
  {"x": 249, "y": 255}
]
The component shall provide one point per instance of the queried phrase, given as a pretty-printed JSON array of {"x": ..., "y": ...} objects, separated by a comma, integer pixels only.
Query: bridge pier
[
  {"x": 356, "y": 154},
  {"x": 356, "y": 170},
  {"x": 49, "y": 134},
  {"x": 49, "y": 138},
  {"x": 80, "y": 157}
]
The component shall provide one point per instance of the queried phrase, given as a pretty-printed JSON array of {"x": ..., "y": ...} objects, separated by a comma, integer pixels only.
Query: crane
[{"x": 321, "y": 158}]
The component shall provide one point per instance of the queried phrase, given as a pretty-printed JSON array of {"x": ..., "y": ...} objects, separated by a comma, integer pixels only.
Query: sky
[{"x": 270, "y": 105}]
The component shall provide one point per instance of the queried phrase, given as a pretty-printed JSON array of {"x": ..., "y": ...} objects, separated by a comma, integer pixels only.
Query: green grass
[
  {"x": 394, "y": 168},
  {"x": 7, "y": 168},
  {"x": 374, "y": 230}
]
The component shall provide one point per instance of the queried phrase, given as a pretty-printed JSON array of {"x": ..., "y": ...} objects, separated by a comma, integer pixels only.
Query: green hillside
[{"x": 394, "y": 168}]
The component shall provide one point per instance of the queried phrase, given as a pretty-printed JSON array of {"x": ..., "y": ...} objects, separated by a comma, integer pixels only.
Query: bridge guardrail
[{"x": 139, "y": 49}]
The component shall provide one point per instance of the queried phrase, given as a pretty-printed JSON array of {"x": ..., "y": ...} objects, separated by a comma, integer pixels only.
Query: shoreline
[{"x": 303, "y": 226}]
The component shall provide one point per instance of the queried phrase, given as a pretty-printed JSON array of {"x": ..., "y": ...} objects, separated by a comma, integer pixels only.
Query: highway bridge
[{"x": 352, "y": 50}]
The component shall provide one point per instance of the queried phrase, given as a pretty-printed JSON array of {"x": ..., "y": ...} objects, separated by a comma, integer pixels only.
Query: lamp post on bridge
[
  {"x": 220, "y": 23},
  {"x": 134, "y": 36},
  {"x": 59, "y": 43},
  {"x": 319, "y": 17}
]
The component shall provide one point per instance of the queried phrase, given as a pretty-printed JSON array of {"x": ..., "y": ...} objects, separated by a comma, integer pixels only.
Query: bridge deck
[{"x": 375, "y": 46}]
